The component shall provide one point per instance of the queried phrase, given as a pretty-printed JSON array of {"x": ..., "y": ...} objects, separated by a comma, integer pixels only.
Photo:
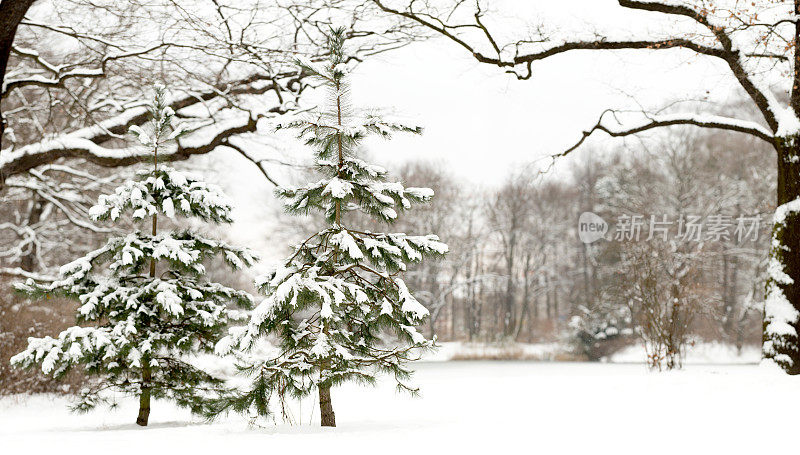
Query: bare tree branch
[
  {"x": 651, "y": 122},
  {"x": 61, "y": 74},
  {"x": 258, "y": 164},
  {"x": 724, "y": 49}
]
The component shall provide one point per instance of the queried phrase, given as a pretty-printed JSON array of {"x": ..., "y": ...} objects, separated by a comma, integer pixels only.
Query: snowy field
[{"x": 469, "y": 407}]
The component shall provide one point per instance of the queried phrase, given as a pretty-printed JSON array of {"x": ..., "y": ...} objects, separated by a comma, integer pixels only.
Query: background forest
[{"x": 517, "y": 271}]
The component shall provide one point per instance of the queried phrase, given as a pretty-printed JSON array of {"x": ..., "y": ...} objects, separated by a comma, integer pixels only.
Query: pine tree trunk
[
  {"x": 326, "y": 407},
  {"x": 147, "y": 374},
  {"x": 328, "y": 418},
  {"x": 144, "y": 398}
]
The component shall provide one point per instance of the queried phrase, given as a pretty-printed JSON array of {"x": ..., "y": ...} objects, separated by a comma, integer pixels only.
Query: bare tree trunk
[
  {"x": 326, "y": 407},
  {"x": 672, "y": 337},
  {"x": 30, "y": 261},
  {"x": 548, "y": 305},
  {"x": 479, "y": 301},
  {"x": 555, "y": 306},
  {"x": 507, "y": 316},
  {"x": 432, "y": 324},
  {"x": 733, "y": 287},
  {"x": 469, "y": 313},
  {"x": 524, "y": 315},
  {"x": 731, "y": 304},
  {"x": 11, "y": 14},
  {"x": 784, "y": 347},
  {"x": 525, "y": 310},
  {"x": 453, "y": 317},
  {"x": 587, "y": 291},
  {"x": 727, "y": 308}
]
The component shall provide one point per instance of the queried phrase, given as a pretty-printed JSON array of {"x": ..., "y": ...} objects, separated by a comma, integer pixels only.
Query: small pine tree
[
  {"x": 331, "y": 302},
  {"x": 150, "y": 309}
]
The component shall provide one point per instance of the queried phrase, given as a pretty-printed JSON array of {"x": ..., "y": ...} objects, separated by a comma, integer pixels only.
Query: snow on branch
[
  {"x": 16, "y": 272},
  {"x": 62, "y": 73},
  {"x": 89, "y": 143},
  {"x": 75, "y": 146}
]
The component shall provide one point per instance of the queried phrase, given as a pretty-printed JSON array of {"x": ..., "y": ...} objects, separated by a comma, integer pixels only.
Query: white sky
[{"x": 482, "y": 122}]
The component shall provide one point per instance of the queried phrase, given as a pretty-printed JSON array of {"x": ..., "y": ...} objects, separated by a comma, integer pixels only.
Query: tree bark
[
  {"x": 780, "y": 346},
  {"x": 477, "y": 300},
  {"x": 434, "y": 317},
  {"x": 144, "y": 398},
  {"x": 326, "y": 407},
  {"x": 780, "y": 343},
  {"x": 327, "y": 417},
  {"x": 30, "y": 261},
  {"x": 147, "y": 373},
  {"x": 555, "y": 307},
  {"x": 729, "y": 286},
  {"x": 526, "y": 295},
  {"x": 510, "y": 297},
  {"x": 548, "y": 308},
  {"x": 11, "y": 14}
]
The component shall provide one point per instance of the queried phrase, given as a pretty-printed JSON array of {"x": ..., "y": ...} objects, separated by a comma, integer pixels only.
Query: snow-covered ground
[{"x": 467, "y": 407}]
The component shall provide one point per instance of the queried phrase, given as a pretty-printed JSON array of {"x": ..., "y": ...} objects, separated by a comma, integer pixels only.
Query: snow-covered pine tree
[
  {"x": 333, "y": 300},
  {"x": 145, "y": 305}
]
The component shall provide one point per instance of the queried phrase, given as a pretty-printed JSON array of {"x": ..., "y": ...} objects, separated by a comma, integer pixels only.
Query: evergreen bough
[
  {"x": 145, "y": 305},
  {"x": 332, "y": 303}
]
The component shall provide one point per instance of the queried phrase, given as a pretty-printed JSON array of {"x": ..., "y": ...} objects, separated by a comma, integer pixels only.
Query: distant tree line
[{"x": 518, "y": 271}]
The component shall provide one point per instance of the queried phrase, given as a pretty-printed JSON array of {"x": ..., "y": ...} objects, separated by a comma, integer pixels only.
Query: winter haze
[{"x": 399, "y": 225}]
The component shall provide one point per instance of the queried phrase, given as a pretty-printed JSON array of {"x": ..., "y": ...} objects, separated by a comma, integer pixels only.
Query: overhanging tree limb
[
  {"x": 61, "y": 74},
  {"x": 724, "y": 48},
  {"x": 11, "y": 14},
  {"x": 658, "y": 121},
  {"x": 258, "y": 164},
  {"x": 91, "y": 143},
  {"x": 732, "y": 56}
]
